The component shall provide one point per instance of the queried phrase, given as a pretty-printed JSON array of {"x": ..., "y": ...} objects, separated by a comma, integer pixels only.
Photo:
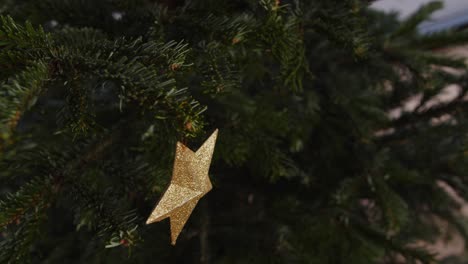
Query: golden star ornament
[{"x": 189, "y": 183}]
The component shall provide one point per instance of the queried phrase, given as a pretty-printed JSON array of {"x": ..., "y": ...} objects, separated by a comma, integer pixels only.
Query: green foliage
[
  {"x": 27, "y": 210},
  {"x": 19, "y": 94},
  {"x": 308, "y": 168}
]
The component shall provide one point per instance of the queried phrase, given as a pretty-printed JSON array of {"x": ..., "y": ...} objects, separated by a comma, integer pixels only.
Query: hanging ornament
[{"x": 189, "y": 183}]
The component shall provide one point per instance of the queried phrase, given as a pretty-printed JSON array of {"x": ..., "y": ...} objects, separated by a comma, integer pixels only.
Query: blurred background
[{"x": 454, "y": 15}]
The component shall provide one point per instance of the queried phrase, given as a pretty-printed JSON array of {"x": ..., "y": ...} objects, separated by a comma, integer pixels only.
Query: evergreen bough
[{"x": 309, "y": 167}]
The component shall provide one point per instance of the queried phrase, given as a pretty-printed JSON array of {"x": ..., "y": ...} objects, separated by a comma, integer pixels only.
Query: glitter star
[{"x": 189, "y": 183}]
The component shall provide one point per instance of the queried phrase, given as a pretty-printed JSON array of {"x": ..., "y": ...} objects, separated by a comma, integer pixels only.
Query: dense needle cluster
[{"x": 308, "y": 167}]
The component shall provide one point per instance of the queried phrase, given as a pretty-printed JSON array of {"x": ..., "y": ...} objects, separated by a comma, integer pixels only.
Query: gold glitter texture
[{"x": 189, "y": 183}]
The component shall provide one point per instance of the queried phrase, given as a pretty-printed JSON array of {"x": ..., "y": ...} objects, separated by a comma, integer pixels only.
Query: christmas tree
[{"x": 309, "y": 167}]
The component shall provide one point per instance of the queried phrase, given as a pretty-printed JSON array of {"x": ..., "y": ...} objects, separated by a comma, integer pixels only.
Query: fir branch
[
  {"x": 21, "y": 46},
  {"x": 221, "y": 74},
  {"x": 14, "y": 36},
  {"x": 19, "y": 94},
  {"x": 145, "y": 78},
  {"x": 33, "y": 195},
  {"x": 103, "y": 213},
  {"x": 392, "y": 245},
  {"x": 17, "y": 248},
  {"x": 395, "y": 210},
  {"x": 329, "y": 23},
  {"x": 441, "y": 39},
  {"x": 284, "y": 34},
  {"x": 27, "y": 210},
  {"x": 413, "y": 119}
]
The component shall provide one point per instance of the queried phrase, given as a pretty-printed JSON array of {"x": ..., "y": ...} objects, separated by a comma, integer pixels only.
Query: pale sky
[{"x": 455, "y": 12}]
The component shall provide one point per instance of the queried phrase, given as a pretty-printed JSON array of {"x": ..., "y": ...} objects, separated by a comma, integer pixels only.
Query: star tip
[
  {"x": 149, "y": 221},
  {"x": 214, "y": 135}
]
